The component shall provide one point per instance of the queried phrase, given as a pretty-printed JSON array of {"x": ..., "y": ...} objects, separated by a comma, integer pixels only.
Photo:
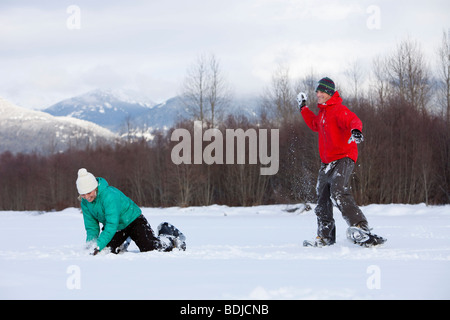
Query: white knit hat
[{"x": 86, "y": 181}]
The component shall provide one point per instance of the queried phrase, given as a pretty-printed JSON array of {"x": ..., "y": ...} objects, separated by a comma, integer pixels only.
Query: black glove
[
  {"x": 357, "y": 136},
  {"x": 301, "y": 100},
  {"x": 96, "y": 250}
]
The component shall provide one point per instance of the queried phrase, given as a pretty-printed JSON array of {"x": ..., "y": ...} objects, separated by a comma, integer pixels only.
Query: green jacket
[{"x": 111, "y": 208}]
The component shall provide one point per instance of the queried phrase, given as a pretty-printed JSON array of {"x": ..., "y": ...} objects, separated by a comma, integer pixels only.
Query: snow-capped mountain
[
  {"x": 133, "y": 115},
  {"x": 110, "y": 109},
  {"x": 24, "y": 130},
  {"x": 165, "y": 115}
]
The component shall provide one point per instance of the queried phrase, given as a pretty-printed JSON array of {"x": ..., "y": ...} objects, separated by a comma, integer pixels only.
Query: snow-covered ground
[{"x": 232, "y": 253}]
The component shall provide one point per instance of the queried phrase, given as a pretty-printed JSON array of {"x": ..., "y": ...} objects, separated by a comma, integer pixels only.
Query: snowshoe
[
  {"x": 363, "y": 237},
  {"x": 123, "y": 247},
  {"x": 318, "y": 242},
  {"x": 171, "y": 237}
]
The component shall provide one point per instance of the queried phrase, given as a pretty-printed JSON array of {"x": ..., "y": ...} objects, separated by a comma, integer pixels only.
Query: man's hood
[{"x": 335, "y": 99}]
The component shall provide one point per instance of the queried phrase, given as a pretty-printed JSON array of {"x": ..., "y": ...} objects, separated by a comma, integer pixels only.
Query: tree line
[{"x": 405, "y": 157}]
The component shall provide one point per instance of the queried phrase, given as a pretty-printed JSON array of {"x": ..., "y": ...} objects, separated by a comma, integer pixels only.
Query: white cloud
[{"x": 148, "y": 45}]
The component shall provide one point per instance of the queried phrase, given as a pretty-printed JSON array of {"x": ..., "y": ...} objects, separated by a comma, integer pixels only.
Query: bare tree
[
  {"x": 279, "y": 98},
  {"x": 381, "y": 85},
  {"x": 195, "y": 88},
  {"x": 354, "y": 74},
  {"x": 128, "y": 125},
  {"x": 218, "y": 90},
  {"x": 205, "y": 90},
  {"x": 444, "y": 74},
  {"x": 409, "y": 74}
]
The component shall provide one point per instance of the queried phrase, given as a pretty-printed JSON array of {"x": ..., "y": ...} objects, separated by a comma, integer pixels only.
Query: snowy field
[{"x": 232, "y": 253}]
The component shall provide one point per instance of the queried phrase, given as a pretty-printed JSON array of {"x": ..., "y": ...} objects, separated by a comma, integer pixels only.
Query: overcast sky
[{"x": 51, "y": 50}]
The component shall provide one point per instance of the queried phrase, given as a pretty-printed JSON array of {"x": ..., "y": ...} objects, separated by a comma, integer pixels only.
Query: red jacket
[{"x": 334, "y": 124}]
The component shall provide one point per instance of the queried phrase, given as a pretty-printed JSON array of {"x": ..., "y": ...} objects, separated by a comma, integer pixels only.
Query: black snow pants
[
  {"x": 140, "y": 232},
  {"x": 333, "y": 187}
]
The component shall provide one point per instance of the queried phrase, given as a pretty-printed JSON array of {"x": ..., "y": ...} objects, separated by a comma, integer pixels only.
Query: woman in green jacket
[{"x": 120, "y": 216}]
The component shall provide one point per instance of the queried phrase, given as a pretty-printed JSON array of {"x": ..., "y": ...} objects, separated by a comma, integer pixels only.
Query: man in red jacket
[{"x": 339, "y": 131}]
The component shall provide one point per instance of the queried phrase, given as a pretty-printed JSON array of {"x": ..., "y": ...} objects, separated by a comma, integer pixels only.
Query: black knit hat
[{"x": 326, "y": 85}]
